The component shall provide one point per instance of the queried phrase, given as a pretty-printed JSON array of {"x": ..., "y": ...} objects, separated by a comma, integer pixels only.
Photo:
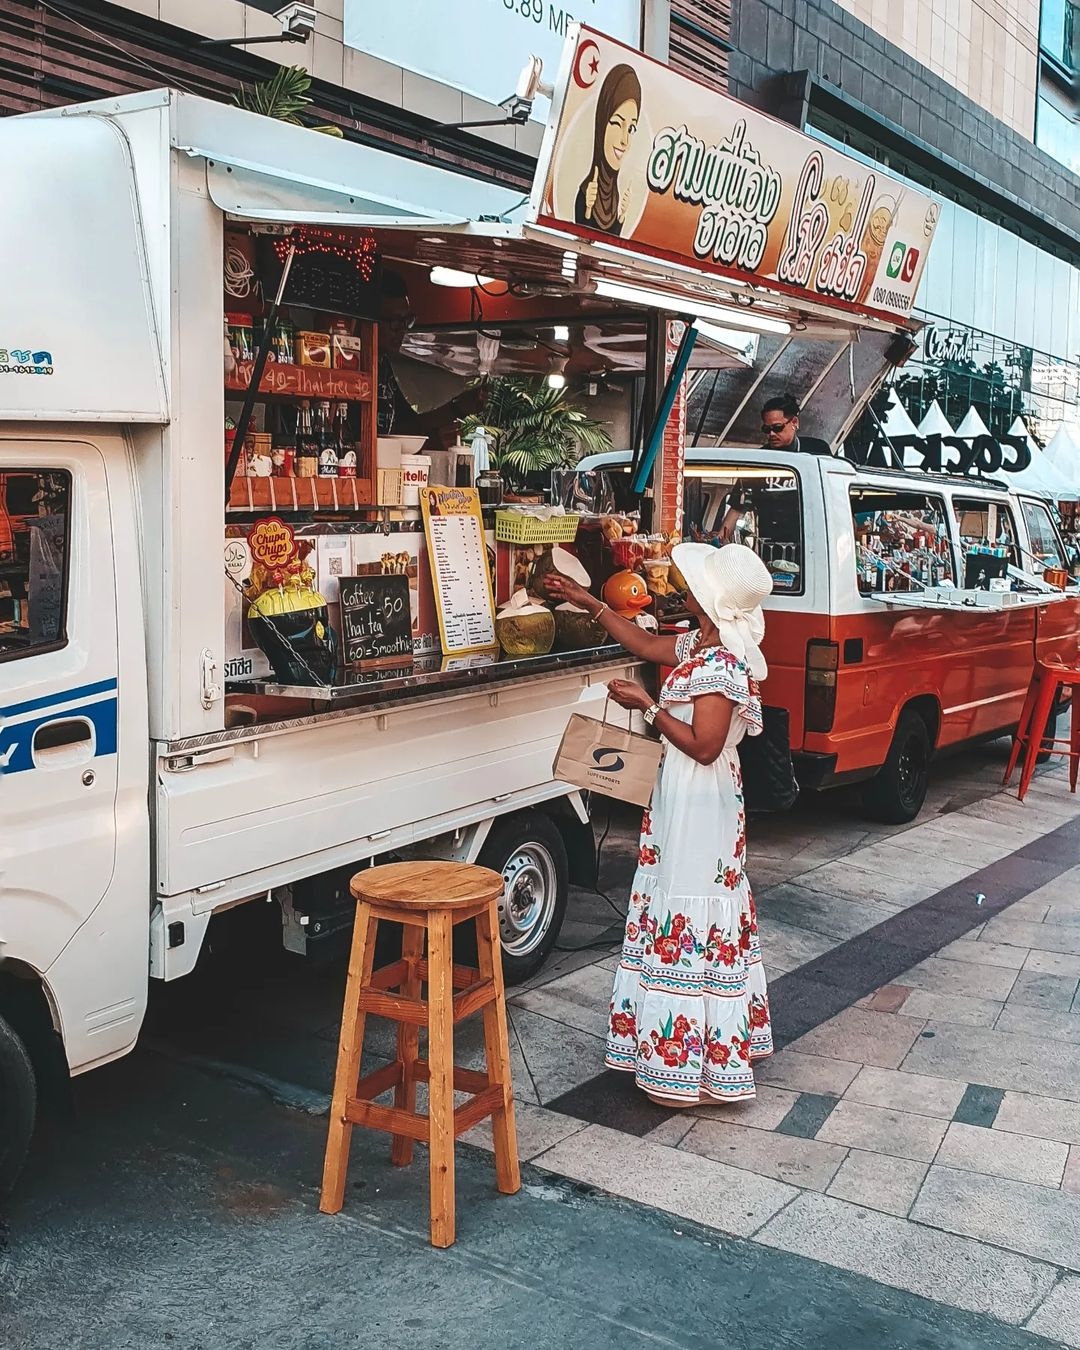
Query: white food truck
[{"x": 139, "y": 794}]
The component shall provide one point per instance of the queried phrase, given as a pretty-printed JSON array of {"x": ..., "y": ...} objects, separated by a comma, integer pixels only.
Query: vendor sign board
[
  {"x": 457, "y": 552},
  {"x": 637, "y": 154}
]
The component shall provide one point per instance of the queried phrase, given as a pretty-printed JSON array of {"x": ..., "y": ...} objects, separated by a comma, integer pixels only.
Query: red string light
[{"x": 359, "y": 250}]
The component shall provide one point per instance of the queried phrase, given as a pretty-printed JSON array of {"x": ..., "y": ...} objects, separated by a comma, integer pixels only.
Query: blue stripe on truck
[{"x": 16, "y": 739}]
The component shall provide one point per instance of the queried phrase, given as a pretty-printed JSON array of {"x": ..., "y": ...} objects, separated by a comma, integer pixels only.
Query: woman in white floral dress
[{"x": 690, "y": 1010}]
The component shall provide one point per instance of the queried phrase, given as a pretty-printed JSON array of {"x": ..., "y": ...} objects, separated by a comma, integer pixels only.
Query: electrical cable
[
  {"x": 169, "y": 78},
  {"x": 604, "y": 943}
]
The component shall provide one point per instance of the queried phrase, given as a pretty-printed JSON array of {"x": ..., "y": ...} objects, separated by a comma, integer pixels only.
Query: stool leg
[
  {"x": 497, "y": 1053},
  {"x": 1048, "y": 690},
  {"x": 412, "y": 950},
  {"x": 1023, "y": 727},
  {"x": 350, "y": 1051},
  {"x": 441, "y": 1083},
  {"x": 1074, "y": 736}
]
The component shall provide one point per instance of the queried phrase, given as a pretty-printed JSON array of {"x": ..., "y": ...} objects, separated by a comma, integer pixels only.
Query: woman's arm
[
  {"x": 703, "y": 738},
  {"x": 648, "y": 646}
]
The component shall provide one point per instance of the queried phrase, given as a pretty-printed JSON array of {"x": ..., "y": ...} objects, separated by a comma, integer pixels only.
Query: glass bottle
[
  {"x": 307, "y": 451},
  {"x": 324, "y": 439},
  {"x": 346, "y": 449}
]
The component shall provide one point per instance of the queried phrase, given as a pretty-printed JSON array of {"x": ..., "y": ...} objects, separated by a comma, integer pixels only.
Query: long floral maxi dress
[{"x": 690, "y": 1010}]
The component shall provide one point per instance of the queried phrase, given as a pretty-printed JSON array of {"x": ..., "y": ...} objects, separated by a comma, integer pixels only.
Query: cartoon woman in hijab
[{"x": 599, "y": 204}]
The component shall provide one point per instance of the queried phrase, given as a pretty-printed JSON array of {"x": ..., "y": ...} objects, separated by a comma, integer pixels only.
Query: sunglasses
[{"x": 774, "y": 428}]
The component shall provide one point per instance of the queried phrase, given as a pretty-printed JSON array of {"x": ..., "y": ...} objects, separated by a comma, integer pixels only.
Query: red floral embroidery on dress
[
  {"x": 675, "y": 1041},
  {"x": 646, "y": 823},
  {"x": 623, "y": 1021},
  {"x": 745, "y": 930},
  {"x": 648, "y": 855},
  {"x": 716, "y": 1052},
  {"x": 719, "y": 949},
  {"x": 674, "y": 941},
  {"x": 759, "y": 1013}
]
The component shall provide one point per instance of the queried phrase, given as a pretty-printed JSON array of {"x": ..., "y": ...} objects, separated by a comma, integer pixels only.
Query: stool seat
[
  {"x": 429, "y": 900},
  {"x": 426, "y": 885}
]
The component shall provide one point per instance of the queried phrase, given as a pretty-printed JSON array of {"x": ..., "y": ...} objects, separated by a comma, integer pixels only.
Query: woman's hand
[
  {"x": 590, "y": 194},
  {"x": 563, "y": 589},
  {"x": 627, "y": 694}
]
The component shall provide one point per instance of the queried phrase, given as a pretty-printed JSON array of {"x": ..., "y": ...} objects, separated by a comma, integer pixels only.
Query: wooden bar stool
[
  {"x": 429, "y": 898},
  {"x": 1048, "y": 679}
]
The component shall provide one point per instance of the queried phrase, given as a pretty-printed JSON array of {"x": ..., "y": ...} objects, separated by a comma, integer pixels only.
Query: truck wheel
[
  {"x": 18, "y": 1105},
  {"x": 897, "y": 793},
  {"x": 529, "y": 853}
]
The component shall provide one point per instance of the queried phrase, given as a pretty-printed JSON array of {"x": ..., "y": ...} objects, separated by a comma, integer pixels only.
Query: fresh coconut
[
  {"x": 561, "y": 560},
  {"x": 576, "y": 628},
  {"x": 525, "y": 628}
]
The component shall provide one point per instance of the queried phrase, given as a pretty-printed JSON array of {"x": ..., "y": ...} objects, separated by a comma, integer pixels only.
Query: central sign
[
  {"x": 481, "y": 46},
  {"x": 638, "y": 154}
]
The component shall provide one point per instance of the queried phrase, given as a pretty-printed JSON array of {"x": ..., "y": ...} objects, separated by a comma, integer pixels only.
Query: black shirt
[{"x": 810, "y": 445}]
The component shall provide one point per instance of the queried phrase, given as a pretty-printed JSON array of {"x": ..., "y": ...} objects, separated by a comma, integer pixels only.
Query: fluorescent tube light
[{"x": 683, "y": 304}]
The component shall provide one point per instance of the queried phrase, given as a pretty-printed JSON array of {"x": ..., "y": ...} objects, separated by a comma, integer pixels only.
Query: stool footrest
[
  {"x": 390, "y": 1119},
  {"x": 486, "y": 1098},
  {"x": 414, "y": 1011},
  {"x": 465, "y": 1080}
]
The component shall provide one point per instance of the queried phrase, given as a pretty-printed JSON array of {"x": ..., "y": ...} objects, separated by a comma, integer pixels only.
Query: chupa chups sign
[
  {"x": 640, "y": 154},
  {"x": 962, "y": 455}
]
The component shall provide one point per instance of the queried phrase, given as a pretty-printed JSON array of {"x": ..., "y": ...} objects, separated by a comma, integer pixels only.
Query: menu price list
[{"x": 460, "y": 568}]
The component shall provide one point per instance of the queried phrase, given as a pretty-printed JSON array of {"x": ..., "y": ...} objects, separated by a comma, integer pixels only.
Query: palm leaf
[
  {"x": 283, "y": 96},
  {"x": 535, "y": 428}
]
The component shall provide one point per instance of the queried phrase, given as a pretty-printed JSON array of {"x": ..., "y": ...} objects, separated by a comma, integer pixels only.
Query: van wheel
[
  {"x": 18, "y": 1106},
  {"x": 528, "y": 852},
  {"x": 896, "y": 795}
]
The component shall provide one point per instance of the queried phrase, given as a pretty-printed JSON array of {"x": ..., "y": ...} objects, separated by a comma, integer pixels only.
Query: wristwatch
[{"x": 650, "y": 714}]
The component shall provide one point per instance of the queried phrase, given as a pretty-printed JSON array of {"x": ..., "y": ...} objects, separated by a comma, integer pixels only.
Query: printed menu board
[{"x": 457, "y": 553}]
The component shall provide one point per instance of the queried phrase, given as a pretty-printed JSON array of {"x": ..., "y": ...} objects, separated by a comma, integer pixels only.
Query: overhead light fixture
[
  {"x": 556, "y": 378},
  {"x": 684, "y": 304},
  {"x": 562, "y": 333},
  {"x": 449, "y": 276}
]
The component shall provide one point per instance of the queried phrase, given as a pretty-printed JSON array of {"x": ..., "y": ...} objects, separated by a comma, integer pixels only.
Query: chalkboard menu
[{"x": 376, "y": 622}]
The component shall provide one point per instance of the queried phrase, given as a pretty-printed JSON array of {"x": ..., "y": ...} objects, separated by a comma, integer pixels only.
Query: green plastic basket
[{"x": 512, "y": 527}]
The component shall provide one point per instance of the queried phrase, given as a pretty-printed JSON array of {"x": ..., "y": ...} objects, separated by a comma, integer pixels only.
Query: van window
[
  {"x": 34, "y": 518},
  {"x": 986, "y": 523},
  {"x": 902, "y": 540},
  {"x": 1046, "y": 545},
  {"x": 758, "y": 506}
]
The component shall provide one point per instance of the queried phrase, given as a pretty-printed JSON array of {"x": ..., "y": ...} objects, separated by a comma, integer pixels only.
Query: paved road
[{"x": 179, "y": 1210}]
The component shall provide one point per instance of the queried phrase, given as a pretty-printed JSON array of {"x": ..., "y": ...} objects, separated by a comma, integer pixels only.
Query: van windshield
[
  {"x": 986, "y": 523},
  {"x": 756, "y": 505}
]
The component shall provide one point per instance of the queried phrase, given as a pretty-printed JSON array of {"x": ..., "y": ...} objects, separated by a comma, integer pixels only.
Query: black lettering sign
[{"x": 376, "y": 621}]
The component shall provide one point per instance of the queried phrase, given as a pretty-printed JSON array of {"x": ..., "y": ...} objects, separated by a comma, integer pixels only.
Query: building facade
[{"x": 975, "y": 99}]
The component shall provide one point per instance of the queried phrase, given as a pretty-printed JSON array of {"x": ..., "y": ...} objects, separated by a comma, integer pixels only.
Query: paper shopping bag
[{"x": 599, "y": 757}]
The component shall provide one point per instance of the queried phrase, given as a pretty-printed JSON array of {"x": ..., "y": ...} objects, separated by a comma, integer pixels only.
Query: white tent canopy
[
  {"x": 972, "y": 425},
  {"x": 935, "y": 423},
  {"x": 1063, "y": 454},
  {"x": 1040, "y": 476}
]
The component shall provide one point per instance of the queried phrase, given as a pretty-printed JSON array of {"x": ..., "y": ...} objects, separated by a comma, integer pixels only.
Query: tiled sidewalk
[{"x": 922, "y": 1128}]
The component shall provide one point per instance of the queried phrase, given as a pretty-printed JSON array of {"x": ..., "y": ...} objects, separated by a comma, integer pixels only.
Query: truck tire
[
  {"x": 896, "y": 794},
  {"x": 18, "y": 1106},
  {"x": 528, "y": 852}
]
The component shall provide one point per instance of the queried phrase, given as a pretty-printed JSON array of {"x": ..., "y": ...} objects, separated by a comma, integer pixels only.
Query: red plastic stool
[{"x": 1047, "y": 681}]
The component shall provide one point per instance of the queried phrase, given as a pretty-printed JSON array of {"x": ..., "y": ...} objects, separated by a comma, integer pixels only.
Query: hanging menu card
[{"x": 457, "y": 555}]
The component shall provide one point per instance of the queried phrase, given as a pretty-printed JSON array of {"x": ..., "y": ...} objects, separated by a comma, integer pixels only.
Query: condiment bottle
[
  {"x": 324, "y": 437},
  {"x": 346, "y": 450}
]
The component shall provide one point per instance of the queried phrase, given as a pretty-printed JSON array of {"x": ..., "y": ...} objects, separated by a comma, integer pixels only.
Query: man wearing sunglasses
[{"x": 780, "y": 428}]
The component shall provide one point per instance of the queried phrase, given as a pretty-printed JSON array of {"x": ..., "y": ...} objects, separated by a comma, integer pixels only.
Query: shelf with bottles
[
  {"x": 308, "y": 495},
  {"x": 921, "y": 563}
]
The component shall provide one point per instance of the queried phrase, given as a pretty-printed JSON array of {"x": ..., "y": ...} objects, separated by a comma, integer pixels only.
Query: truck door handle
[{"x": 69, "y": 740}]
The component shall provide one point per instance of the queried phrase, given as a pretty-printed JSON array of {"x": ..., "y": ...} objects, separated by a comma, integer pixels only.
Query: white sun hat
[{"x": 729, "y": 584}]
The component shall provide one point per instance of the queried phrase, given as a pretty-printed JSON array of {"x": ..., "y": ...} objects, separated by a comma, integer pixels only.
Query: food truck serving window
[
  {"x": 34, "y": 512},
  {"x": 902, "y": 540},
  {"x": 989, "y": 523},
  {"x": 759, "y": 506}
]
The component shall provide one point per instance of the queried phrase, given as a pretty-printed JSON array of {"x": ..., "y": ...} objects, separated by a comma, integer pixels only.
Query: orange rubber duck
[{"x": 627, "y": 594}]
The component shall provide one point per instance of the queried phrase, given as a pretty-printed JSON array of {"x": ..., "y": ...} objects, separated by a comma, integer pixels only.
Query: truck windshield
[{"x": 34, "y": 508}]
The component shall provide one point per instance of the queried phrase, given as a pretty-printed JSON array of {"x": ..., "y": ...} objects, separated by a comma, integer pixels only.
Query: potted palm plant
[{"x": 534, "y": 428}]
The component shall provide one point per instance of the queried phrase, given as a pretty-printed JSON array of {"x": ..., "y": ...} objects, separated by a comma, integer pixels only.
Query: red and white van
[{"x": 874, "y": 690}]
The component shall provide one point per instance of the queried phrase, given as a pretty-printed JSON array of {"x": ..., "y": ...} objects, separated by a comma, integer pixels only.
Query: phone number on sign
[{"x": 535, "y": 11}]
